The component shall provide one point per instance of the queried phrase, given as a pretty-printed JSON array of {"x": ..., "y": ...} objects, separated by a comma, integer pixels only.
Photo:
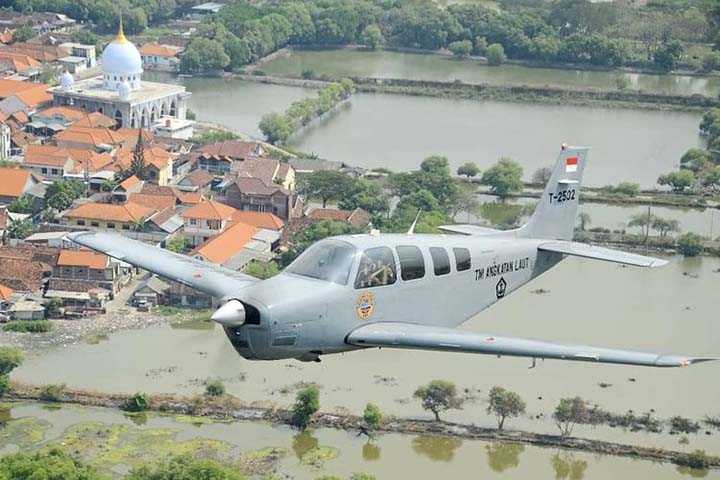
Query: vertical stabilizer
[{"x": 556, "y": 212}]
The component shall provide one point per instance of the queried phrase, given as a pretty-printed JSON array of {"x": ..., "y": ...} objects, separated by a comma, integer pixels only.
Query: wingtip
[
  {"x": 657, "y": 263},
  {"x": 679, "y": 361}
]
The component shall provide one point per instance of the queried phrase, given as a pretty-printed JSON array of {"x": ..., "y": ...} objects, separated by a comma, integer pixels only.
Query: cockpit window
[
  {"x": 377, "y": 268},
  {"x": 330, "y": 260}
]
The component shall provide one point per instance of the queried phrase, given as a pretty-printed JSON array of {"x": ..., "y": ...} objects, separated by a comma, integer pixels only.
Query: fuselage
[{"x": 442, "y": 280}]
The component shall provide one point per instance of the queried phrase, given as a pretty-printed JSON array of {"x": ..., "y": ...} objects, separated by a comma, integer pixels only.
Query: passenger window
[
  {"x": 377, "y": 268},
  {"x": 462, "y": 259},
  {"x": 441, "y": 261},
  {"x": 412, "y": 264}
]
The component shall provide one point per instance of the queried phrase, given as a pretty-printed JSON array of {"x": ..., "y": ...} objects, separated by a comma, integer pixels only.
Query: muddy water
[
  {"x": 672, "y": 309},
  {"x": 382, "y": 64},
  {"x": 388, "y": 457}
]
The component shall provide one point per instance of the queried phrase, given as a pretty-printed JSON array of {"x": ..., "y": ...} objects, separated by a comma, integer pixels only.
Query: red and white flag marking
[{"x": 571, "y": 164}]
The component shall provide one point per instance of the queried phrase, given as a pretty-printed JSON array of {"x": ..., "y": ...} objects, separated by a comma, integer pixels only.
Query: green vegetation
[
  {"x": 438, "y": 396},
  {"x": 24, "y": 204},
  {"x": 204, "y": 55},
  {"x": 504, "y": 177},
  {"x": 262, "y": 270},
  {"x": 325, "y": 185},
  {"x": 178, "y": 244},
  {"x": 468, "y": 169},
  {"x": 52, "y": 392},
  {"x": 28, "y": 326},
  {"x": 53, "y": 464},
  {"x": 680, "y": 181},
  {"x": 372, "y": 416},
  {"x": 628, "y": 189},
  {"x": 571, "y": 411},
  {"x": 461, "y": 48},
  {"x": 213, "y": 136},
  {"x": 24, "y": 33},
  {"x": 690, "y": 244},
  {"x": 495, "y": 55},
  {"x": 185, "y": 467},
  {"x": 372, "y": 37},
  {"x": 504, "y": 404},
  {"x": 137, "y": 403},
  {"x": 21, "y": 228},
  {"x": 307, "y": 403},
  {"x": 214, "y": 388},
  {"x": 697, "y": 459},
  {"x": 277, "y": 128}
]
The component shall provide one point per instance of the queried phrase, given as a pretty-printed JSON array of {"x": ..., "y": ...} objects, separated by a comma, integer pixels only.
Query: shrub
[
  {"x": 495, "y": 54},
  {"x": 52, "y": 392},
  {"x": 571, "y": 411},
  {"x": 697, "y": 459},
  {"x": 438, "y": 396},
  {"x": 28, "y": 326},
  {"x": 4, "y": 384},
  {"x": 136, "y": 403},
  {"x": 372, "y": 416},
  {"x": 461, "y": 48},
  {"x": 49, "y": 464},
  {"x": 185, "y": 467},
  {"x": 214, "y": 388},
  {"x": 10, "y": 358},
  {"x": 684, "y": 425},
  {"x": 690, "y": 244},
  {"x": 307, "y": 403}
]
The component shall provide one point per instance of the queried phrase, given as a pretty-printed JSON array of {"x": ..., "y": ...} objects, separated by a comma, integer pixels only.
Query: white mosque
[{"x": 120, "y": 92}]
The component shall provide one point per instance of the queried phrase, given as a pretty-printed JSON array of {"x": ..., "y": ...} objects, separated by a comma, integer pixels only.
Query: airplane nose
[{"x": 232, "y": 314}]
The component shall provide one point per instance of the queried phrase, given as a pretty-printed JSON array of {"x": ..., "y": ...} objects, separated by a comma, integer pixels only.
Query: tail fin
[{"x": 556, "y": 212}]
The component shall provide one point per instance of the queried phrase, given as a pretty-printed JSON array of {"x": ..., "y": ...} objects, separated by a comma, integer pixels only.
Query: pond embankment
[
  {"x": 511, "y": 93},
  {"x": 228, "y": 407}
]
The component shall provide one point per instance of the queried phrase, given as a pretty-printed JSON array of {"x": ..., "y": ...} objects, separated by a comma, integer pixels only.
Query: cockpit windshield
[{"x": 330, "y": 260}]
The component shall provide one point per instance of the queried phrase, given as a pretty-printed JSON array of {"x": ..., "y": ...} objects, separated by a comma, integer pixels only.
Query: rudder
[{"x": 556, "y": 212}]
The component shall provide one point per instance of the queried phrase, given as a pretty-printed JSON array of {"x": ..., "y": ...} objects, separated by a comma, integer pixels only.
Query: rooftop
[
  {"x": 126, "y": 212},
  {"x": 46, "y": 155},
  {"x": 5, "y": 293},
  {"x": 13, "y": 181},
  {"x": 159, "y": 50},
  {"x": 12, "y": 87},
  {"x": 210, "y": 210},
  {"x": 222, "y": 247},
  {"x": 235, "y": 149},
  {"x": 82, "y": 258},
  {"x": 93, "y": 88},
  {"x": 265, "y": 220}
]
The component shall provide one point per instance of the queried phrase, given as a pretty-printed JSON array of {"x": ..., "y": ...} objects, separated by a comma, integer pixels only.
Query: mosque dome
[
  {"x": 66, "y": 81},
  {"x": 121, "y": 57}
]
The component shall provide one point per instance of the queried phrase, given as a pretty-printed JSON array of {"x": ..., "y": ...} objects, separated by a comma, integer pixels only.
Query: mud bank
[{"x": 232, "y": 408}]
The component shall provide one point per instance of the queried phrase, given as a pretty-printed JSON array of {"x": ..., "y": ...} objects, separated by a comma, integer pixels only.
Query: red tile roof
[
  {"x": 127, "y": 212},
  {"x": 210, "y": 210},
  {"x": 83, "y": 258},
  {"x": 158, "y": 50},
  {"x": 46, "y": 155},
  {"x": 224, "y": 246},
  {"x": 9, "y": 88},
  {"x": 266, "y": 220},
  {"x": 5, "y": 293},
  {"x": 13, "y": 181}
]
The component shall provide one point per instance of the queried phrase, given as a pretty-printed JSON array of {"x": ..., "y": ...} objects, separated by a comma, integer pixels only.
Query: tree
[
  {"x": 108, "y": 185},
  {"x": 642, "y": 220},
  {"x": 10, "y": 358},
  {"x": 367, "y": 195},
  {"x": 24, "y": 204},
  {"x": 480, "y": 45},
  {"x": 569, "y": 412},
  {"x": 372, "y": 37},
  {"x": 668, "y": 55},
  {"x": 325, "y": 184},
  {"x": 372, "y": 416},
  {"x": 49, "y": 464},
  {"x": 204, "y": 55},
  {"x": 541, "y": 176},
  {"x": 307, "y": 403},
  {"x": 711, "y": 178},
  {"x": 262, "y": 270},
  {"x": 24, "y": 33},
  {"x": 438, "y": 396},
  {"x": 504, "y": 177},
  {"x": 665, "y": 225},
  {"x": 61, "y": 193},
  {"x": 678, "y": 181},
  {"x": 214, "y": 388},
  {"x": 461, "y": 48},
  {"x": 178, "y": 244},
  {"x": 276, "y": 128},
  {"x": 138, "y": 167},
  {"x": 185, "y": 467},
  {"x": 495, "y": 55},
  {"x": 695, "y": 160},
  {"x": 469, "y": 169},
  {"x": 690, "y": 244},
  {"x": 21, "y": 228},
  {"x": 503, "y": 404}
]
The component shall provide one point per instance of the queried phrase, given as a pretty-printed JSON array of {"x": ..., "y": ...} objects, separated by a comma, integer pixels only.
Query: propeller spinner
[{"x": 232, "y": 314}]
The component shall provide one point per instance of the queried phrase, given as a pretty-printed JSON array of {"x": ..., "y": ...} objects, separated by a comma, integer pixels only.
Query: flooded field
[{"x": 116, "y": 443}]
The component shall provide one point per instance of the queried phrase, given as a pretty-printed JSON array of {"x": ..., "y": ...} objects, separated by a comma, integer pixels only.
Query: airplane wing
[
  {"x": 421, "y": 337},
  {"x": 578, "y": 249},
  {"x": 211, "y": 279},
  {"x": 465, "y": 229}
]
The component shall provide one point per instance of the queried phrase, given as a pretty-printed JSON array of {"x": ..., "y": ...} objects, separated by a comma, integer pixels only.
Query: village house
[
  {"x": 230, "y": 248},
  {"x": 161, "y": 57},
  {"x": 158, "y": 163},
  {"x": 121, "y": 217},
  {"x": 127, "y": 187},
  {"x": 50, "y": 121},
  {"x": 86, "y": 279},
  {"x": 48, "y": 161},
  {"x": 81, "y": 57},
  {"x": 99, "y": 139},
  {"x": 41, "y": 21},
  {"x": 205, "y": 220},
  {"x": 358, "y": 218},
  {"x": 26, "y": 97},
  {"x": 196, "y": 181},
  {"x": 18, "y": 63},
  {"x": 6, "y": 301},
  {"x": 26, "y": 268},
  {"x": 17, "y": 182},
  {"x": 218, "y": 158},
  {"x": 175, "y": 128}
]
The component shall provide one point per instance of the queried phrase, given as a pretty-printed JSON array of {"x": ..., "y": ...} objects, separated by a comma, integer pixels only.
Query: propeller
[{"x": 232, "y": 314}]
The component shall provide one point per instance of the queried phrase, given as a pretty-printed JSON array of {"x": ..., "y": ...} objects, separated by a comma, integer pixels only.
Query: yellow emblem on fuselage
[{"x": 365, "y": 305}]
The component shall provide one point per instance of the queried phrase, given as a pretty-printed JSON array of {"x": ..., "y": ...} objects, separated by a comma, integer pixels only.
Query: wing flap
[
  {"x": 584, "y": 250},
  {"x": 468, "y": 229},
  {"x": 422, "y": 337},
  {"x": 211, "y": 279}
]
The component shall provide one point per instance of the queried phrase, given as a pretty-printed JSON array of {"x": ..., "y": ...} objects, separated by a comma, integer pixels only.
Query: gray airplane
[{"x": 398, "y": 290}]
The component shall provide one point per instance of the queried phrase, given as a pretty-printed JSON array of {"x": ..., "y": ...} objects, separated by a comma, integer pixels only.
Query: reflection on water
[
  {"x": 303, "y": 443},
  {"x": 138, "y": 418},
  {"x": 693, "y": 472},
  {"x": 567, "y": 467},
  {"x": 504, "y": 455},
  {"x": 370, "y": 452},
  {"x": 436, "y": 448}
]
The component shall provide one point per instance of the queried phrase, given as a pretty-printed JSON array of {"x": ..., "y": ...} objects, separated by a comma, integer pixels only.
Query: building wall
[
  {"x": 48, "y": 172},
  {"x": 95, "y": 223},
  {"x": 4, "y": 141}
]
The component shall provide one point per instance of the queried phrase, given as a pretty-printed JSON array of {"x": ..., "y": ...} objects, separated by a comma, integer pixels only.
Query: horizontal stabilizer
[
  {"x": 578, "y": 249},
  {"x": 423, "y": 337},
  {"x": 468, "y": 229}
]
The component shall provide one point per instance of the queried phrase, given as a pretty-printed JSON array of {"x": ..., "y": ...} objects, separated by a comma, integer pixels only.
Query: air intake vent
[{"x": 252, "y": 315}]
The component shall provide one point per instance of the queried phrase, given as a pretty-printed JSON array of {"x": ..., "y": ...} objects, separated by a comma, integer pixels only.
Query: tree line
[{"x": 662, "y": 34}]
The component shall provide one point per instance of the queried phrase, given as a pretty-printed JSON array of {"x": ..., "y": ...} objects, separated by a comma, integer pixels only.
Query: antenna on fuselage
[{"x": 411, "y": 230}]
